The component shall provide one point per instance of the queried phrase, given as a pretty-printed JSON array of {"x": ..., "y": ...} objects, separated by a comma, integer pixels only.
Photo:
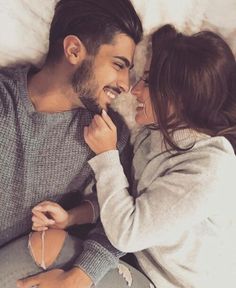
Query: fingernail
[{"x": 104, "y": 112}]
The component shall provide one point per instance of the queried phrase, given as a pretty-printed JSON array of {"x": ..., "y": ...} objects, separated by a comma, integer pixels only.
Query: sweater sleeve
[
  {"x": 99, "y": 255},
  {"x": 165, "y": 209}
]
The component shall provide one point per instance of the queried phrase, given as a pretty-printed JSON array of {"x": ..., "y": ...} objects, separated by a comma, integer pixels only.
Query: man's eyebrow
[{"x": 126, "y": 61}]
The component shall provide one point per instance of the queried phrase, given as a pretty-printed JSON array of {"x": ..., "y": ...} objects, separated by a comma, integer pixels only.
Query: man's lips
[{"x": 112, "y": 92}]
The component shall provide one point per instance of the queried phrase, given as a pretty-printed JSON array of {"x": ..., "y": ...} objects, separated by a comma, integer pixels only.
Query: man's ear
[{"x": 74, "y": 49}]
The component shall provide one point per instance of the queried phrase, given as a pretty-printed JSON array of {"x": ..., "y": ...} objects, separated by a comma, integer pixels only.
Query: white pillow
[{"x": 24, "y": 29}]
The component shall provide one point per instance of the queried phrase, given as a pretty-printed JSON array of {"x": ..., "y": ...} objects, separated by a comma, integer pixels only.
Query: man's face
[{"x": 100, "y": 79}]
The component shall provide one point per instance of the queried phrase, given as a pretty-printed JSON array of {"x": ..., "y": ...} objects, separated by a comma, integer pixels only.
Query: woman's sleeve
[{"x": 171, "y": 204}]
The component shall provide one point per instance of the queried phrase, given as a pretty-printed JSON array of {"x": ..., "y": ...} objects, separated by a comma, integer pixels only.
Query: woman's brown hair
[{"x": 196, "y": 76}]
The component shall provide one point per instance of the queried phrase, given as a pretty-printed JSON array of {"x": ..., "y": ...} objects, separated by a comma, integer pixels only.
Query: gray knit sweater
[
  {"x": 181, "y": 217},
  {"x": 43, "y": 156}
]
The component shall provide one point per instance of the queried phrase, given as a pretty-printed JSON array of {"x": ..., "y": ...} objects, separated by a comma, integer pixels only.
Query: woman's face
[{"x": 144, "y": 111}]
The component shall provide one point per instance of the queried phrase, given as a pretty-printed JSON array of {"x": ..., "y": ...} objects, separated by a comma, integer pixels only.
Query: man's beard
[{"x": 84, "y": 84}]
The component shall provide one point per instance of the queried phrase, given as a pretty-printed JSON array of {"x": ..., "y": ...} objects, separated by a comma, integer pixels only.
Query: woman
[{"x": 177, "y": 218}]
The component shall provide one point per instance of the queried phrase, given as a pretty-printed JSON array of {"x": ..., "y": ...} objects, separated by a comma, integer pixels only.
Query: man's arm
[{"x": 98, "y": 256}]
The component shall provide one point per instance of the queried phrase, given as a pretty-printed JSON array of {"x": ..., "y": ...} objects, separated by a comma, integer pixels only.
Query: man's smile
[{"x": 111, "y": 92}]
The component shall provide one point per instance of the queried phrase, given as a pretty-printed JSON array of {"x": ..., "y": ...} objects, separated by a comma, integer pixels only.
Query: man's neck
[{"x": 50, "y": 91}]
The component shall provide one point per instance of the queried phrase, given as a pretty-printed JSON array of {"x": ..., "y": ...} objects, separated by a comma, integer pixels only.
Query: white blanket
[{"x": 24, "y": 27}]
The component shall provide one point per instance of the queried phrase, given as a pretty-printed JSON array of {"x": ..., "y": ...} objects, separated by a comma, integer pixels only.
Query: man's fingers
[
  {"x": 43, "y": 218},
  {"x": 39, "y": 229},
  {"x": 46, "y": 206},
  {"x": 37, "y": 221},
  {"x": 108, "y": 120},
  {"x": 28, "y": 282},
  {"x": 38, "y": 224},
  {"x": 52, "y": 208}
]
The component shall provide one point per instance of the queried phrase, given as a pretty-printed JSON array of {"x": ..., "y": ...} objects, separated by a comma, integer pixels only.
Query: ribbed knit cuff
[
  {"x": 109, "y": 158},
  {"x": 108, "y": 169},
  {"x": 95, "y": 261}
]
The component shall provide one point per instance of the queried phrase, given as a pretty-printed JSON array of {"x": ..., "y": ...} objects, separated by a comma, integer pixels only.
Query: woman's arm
[
  {"x": 161, "y": 212},
  {"x": 185, "y": 194}
]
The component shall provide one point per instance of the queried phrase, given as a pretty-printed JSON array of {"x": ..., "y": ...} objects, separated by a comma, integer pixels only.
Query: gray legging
[{"x": 16, "y": 262}]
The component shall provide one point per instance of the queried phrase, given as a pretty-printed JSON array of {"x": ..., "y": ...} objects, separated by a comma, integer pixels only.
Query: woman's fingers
[
  {"x": 108, "y": 120},
  {"x": 98, "y": 122},
  {"x": 101, "y": 134}
]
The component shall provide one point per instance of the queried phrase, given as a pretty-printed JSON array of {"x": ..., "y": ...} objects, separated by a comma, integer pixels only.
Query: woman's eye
[{"x": 145, "y": 80}]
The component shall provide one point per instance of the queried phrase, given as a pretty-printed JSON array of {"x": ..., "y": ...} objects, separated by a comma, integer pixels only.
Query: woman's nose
[{"x": 136, "y": 89}]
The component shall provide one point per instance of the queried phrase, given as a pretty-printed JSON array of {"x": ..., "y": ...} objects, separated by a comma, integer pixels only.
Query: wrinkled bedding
[{"x": 24, "y": 26}]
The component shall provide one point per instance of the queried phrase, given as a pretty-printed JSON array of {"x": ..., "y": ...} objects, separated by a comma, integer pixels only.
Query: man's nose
[{"x": 124, "y": 81}]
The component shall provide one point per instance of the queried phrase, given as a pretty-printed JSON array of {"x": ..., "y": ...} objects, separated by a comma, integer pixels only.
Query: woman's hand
[
  {"x": 49, "y": 214},
  {"x": 101, "y": 134}
]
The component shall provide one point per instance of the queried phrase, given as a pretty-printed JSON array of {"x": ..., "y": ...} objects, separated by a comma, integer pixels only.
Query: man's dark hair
[{"x": 95, "y": 22}]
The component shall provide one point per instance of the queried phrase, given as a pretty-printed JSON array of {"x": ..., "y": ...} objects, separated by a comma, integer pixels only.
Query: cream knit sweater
[{"x": 181, "y": 212}]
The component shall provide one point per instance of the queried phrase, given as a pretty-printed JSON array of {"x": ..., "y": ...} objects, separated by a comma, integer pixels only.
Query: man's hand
[
  {"x": 49, "y": 214},
  {"x": 101, "y": 134},
  {"x": 57, "y": 278}
]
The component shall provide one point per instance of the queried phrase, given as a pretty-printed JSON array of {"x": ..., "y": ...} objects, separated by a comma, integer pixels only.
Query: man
[{"x": 43, "y": 114}]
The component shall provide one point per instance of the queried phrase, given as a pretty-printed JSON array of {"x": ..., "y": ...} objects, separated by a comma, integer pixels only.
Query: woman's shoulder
[
  {"x": 215, "y": 147},
  {"x": 212, "y": 157},
  {"x": 201, "y": 150},
  {"x": 203, "y": 153}
]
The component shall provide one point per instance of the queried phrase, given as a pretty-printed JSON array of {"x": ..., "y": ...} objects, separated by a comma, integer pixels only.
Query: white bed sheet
[{"x": 24, "y": 27}]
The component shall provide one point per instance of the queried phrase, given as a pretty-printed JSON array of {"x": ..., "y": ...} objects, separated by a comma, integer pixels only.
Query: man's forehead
[{"x": 122, "y": 47}]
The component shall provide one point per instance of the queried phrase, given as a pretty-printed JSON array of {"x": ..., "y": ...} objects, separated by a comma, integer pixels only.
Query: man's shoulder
[
  {"x": 9, "y": 79},
  {"x": 8, "y": 74}
]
